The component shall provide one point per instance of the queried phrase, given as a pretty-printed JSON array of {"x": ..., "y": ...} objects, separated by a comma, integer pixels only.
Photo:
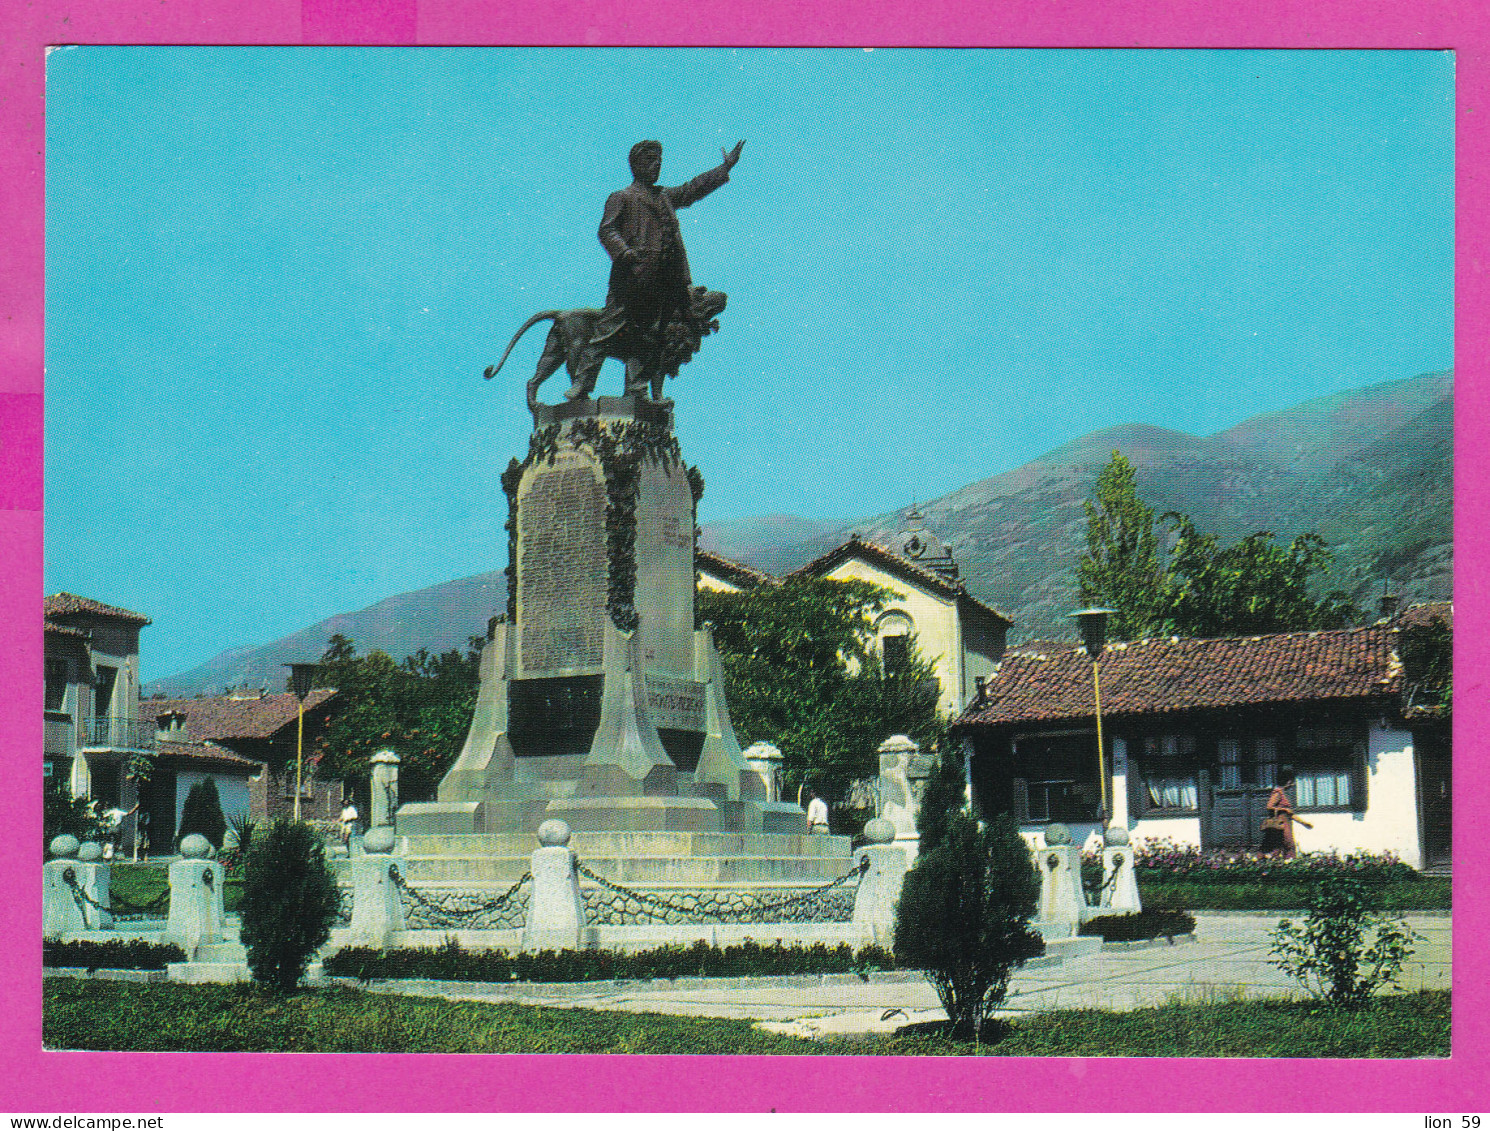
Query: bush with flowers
[{"x": 1163, "y": 859}]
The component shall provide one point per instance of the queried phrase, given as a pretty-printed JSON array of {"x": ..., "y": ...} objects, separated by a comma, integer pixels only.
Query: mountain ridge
[{"x": 1370, "y": 469}]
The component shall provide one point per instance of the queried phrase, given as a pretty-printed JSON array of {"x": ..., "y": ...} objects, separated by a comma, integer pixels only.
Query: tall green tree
[
  {"x": 1198, "y": 587},
  {"x": 1121, "y": 567},
  {"x": 419, "y": 709},
  {"x": 801, "y": 673},
  {"x": 1253, "y": 586}
]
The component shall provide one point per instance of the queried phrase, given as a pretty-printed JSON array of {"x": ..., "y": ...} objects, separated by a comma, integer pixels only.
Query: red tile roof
[
  {"x": 61, "y": 604},
  {"x": 67, "y": 630},
  {"x": 1148, "y": 677},
  {"x": 734, "y": 572},
  {"x": 225, "y": 718},
  {"x": 202, "y": 752},
  {"x": 1425, "y": 613},
  {"x": 892, "y": 562}
]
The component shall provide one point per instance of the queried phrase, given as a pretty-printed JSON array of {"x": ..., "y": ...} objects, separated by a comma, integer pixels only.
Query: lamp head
[
  {"x": 1093, "y": 625},
  {"x": 302, "y": 676}
]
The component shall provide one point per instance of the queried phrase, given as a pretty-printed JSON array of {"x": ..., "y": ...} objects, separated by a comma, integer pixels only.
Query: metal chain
[
  {"x": 455, "y": 915},
  {"x": 117, "y": 903},
  {"x": 760, "y": 905},
  {"x": 79, "y": 896}
]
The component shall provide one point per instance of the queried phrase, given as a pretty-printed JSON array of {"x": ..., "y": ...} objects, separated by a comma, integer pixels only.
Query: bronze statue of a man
[{"x": 650, "y": 310}]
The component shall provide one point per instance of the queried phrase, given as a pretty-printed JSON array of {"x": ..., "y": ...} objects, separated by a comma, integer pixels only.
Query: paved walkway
[{"x": 1227, "y": 959}]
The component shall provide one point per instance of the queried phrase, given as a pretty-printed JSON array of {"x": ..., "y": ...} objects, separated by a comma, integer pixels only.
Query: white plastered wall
[
  {"x": 1390, "y": 822},
  {"x": 937, "y": 628}
]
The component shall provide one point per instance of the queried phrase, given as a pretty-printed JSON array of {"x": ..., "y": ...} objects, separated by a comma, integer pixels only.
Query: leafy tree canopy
[
  {"x": 1198, "y": 587},
  {"x": 801, "y": 674},
  {"x": 1121, "y": 567},
  {"x": 419, "y": 709}
]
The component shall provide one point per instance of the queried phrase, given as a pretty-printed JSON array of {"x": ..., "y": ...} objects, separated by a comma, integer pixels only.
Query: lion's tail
[{"x": 541, "y": 316}]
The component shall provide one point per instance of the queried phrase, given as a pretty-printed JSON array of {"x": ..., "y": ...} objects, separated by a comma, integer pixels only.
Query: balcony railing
[{"x": 118, "y": 734}]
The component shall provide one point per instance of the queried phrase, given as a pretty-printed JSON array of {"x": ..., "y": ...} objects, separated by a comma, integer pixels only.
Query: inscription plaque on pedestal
[
  {"x": 676, "y": 704},
  {"x": 561, "y": 566},
  {"x": 664, "y": 570}
]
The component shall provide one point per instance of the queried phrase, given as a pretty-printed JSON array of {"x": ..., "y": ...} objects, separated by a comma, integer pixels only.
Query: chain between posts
[
  {"x": 759, "y": 905},
  {"x": 453, "y": 917}
]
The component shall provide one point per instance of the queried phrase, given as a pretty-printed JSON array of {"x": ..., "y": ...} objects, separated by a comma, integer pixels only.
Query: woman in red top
[{"x": 1277, "y": 830}]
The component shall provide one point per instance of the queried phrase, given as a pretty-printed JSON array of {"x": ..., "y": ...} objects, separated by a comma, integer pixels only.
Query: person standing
[
  {"x": 817, "y": 814},
  {"x": 1277, "y": 828},
  {"x": 348, "y": 821}
]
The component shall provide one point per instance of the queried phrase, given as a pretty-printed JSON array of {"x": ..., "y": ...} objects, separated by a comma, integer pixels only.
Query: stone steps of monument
[
  {"x": 725, "y": 871},
  {"x": 591, "y": 844}
]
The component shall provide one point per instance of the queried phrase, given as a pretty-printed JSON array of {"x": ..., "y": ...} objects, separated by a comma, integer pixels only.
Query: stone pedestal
[
  {"x": 556, "y": 910},
  {"x": 384, "y": 789},
  {"x": 883, "y": 865},
  {"x": 1062, "y": 902},
  {"x": 377, "y": 909},
  {"x": 75, "y": 889},
  {"x": 896, "y": 798},
  {"x": 196, "y": 915},
  {"x": 599, "y": 703},
  {"x": 1119, "y": 881}
]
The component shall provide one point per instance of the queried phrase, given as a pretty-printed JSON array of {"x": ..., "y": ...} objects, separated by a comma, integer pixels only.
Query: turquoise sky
[{"x": 275, "y": 275}]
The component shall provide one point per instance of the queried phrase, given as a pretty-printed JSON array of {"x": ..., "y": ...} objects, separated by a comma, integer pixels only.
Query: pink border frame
[{"x": 34, "y": 1081}]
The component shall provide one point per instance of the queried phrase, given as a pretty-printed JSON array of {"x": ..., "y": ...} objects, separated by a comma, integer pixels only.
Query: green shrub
[
  {"x": 290, "y": 900},
  {"x": 242, "y": 826},
  {"x": 1329, "y": 953},
  {"x": 64, "y": 813},
  {"x": 115, "y": 954},
  {"x": 201, "y": 813},
  {"x": 964, "y": 915},
  {"x": 1150, "y": 923},
  {"x": 454, "y": 963}
]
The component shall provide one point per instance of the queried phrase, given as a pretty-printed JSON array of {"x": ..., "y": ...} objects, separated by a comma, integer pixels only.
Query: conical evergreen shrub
[
  {"x": 290, "y": 901},
  {"x": 964, "y": 912},
  {"x": 201, "y": 812}
]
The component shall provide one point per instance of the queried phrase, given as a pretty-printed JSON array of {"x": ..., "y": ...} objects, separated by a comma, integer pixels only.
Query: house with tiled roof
[
  {"x": 91, "y": 669},
  {"x": 718, "y": 573},
  {"x": 102, "y": 743},
  {"x": 263, "y": 728},
  {"x": 963, "y": 637},
  {"x": 1196, "y": 732}
]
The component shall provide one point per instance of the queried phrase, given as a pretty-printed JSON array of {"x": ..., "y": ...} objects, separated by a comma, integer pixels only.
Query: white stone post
[
  {"x": 64, "y": 911},
  {"x": 556, "y": 910},
  {"x": 882, "y": 868},
  {"x": 384, "y": 790},
  {"x": 196, "y": 916},
  {"x": 1119, "y": 882},
  {"x": 765, "y": 760},
  {"x": 377, "y": 907},
  {"x": 1059, "y": 863},
  {"x": 896, "y": 800}
]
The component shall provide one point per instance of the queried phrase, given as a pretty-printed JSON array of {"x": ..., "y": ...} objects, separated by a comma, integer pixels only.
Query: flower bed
[{"x": 1166, "y": 860}]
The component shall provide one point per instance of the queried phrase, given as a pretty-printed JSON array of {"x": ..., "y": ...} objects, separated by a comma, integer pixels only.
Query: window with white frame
[
  {"x": 1169, "y": 772},
  {"x": 1329, "y": 767}
]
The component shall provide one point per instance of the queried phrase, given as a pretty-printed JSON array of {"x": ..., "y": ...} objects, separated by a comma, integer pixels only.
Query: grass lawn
[
  {"x": 111, "y": 1015},
  {"x": 141, "y": 883},
  {"x": 1420, "y": 893}
]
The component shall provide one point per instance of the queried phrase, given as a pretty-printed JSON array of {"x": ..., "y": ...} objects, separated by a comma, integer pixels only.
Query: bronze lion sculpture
[{"x": 572, "y": 343}]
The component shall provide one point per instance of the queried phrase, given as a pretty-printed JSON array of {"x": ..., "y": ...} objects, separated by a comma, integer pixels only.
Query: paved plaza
[{"x": 1227, "y": 958}]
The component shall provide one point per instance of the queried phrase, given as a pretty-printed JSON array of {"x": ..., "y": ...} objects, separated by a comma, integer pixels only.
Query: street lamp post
[
  {"x": 1093, "y": 623},
  {"x": 301, "y": 677}
]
